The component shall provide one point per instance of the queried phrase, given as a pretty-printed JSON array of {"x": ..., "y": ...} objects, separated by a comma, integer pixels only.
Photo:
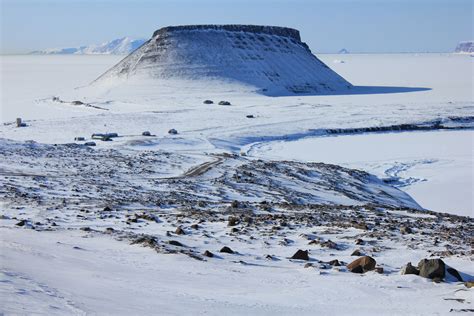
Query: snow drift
[{"x": 271, "y": 60}]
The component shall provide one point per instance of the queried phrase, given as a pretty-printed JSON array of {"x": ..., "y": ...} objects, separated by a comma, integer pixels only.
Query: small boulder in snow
[
  {"x": 172, "y": 131},
  {"x": 224, "y": 103},
  {"x": 409, "y": 269},
  {"x": 179, "y": 231},
  {"x": 226, "y": 249},
  {"x": 406, "y": 230},
  {"x": 232, "y": 221},
  {"x": 432, "y": 268},
  {"x": 362, "y": 265},
  {"x": 208, "y": 102},
  {"x": 208, "y": 254},
  {"x": 301, "y": 255}
]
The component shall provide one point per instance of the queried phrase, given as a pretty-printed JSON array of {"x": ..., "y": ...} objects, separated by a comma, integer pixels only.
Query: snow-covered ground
[
  {"x": 435, "y": 168},
  {"x": 86, "y": 212}
]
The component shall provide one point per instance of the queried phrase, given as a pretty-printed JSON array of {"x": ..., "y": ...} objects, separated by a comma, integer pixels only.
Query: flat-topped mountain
[{"x": 272, "y": 60}]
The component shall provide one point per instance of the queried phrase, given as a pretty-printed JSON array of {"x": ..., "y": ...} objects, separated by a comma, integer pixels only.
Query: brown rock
[
  {"x": 232, "y": 221},
  {"x": 179, "y": 231},
  {"x": 329, "y": 244},
  {"x": 356, "y": 253},
  {"x": 362, "y": 265}
]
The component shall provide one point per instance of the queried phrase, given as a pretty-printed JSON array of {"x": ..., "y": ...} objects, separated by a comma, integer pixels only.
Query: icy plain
[{"x": 91, "y": 261}]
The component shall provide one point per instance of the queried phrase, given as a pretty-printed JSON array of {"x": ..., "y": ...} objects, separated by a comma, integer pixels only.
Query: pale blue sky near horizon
[{"x": 380, "y": 26}]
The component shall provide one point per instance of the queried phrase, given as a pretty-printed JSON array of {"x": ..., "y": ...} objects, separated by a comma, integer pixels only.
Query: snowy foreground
[{"x": 136, "y": 225}]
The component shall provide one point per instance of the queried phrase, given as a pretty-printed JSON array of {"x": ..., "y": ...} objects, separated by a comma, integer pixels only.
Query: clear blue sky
[{"x": 327, "y": 26}]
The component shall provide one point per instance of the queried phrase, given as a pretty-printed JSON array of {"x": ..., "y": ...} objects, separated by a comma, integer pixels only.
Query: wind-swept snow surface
[
  {"x": 436, "y": 168},
  {"x": 138, "y": 224}
]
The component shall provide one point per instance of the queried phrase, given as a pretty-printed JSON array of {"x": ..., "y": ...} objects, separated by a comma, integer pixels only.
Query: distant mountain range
[
  {"x": 120, "y": 46},
  {"x": 466, "y": 47}
]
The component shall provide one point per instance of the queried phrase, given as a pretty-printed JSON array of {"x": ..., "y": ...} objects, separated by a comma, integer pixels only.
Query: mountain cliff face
[
  {"x": 466, "y": 47},
  {"x": 120, "y": 46},
  {"x": 271, "y": 59}
]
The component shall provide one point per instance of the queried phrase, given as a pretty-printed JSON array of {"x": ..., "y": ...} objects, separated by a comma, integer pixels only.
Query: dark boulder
[
  {"x": 301, "y": 255},
  {"x": 226, "y": 249},
  {"x": 175, "y": 243},
  {"x": 232, "y": 221},
  {"x": 207, "y": 253},
  {"x": 208, "y": 102},
  {"x": 334, "y": 262},
  {"x": 22, "y": 222},
  {"x": 224, "y": 103},
  {"x": 409, "y": 269}
]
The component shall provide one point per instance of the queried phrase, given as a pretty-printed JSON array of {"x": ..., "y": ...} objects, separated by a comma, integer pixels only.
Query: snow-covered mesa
[
  {"x": 264, "y": 59},
  {"x": 119, "y": 46}
]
